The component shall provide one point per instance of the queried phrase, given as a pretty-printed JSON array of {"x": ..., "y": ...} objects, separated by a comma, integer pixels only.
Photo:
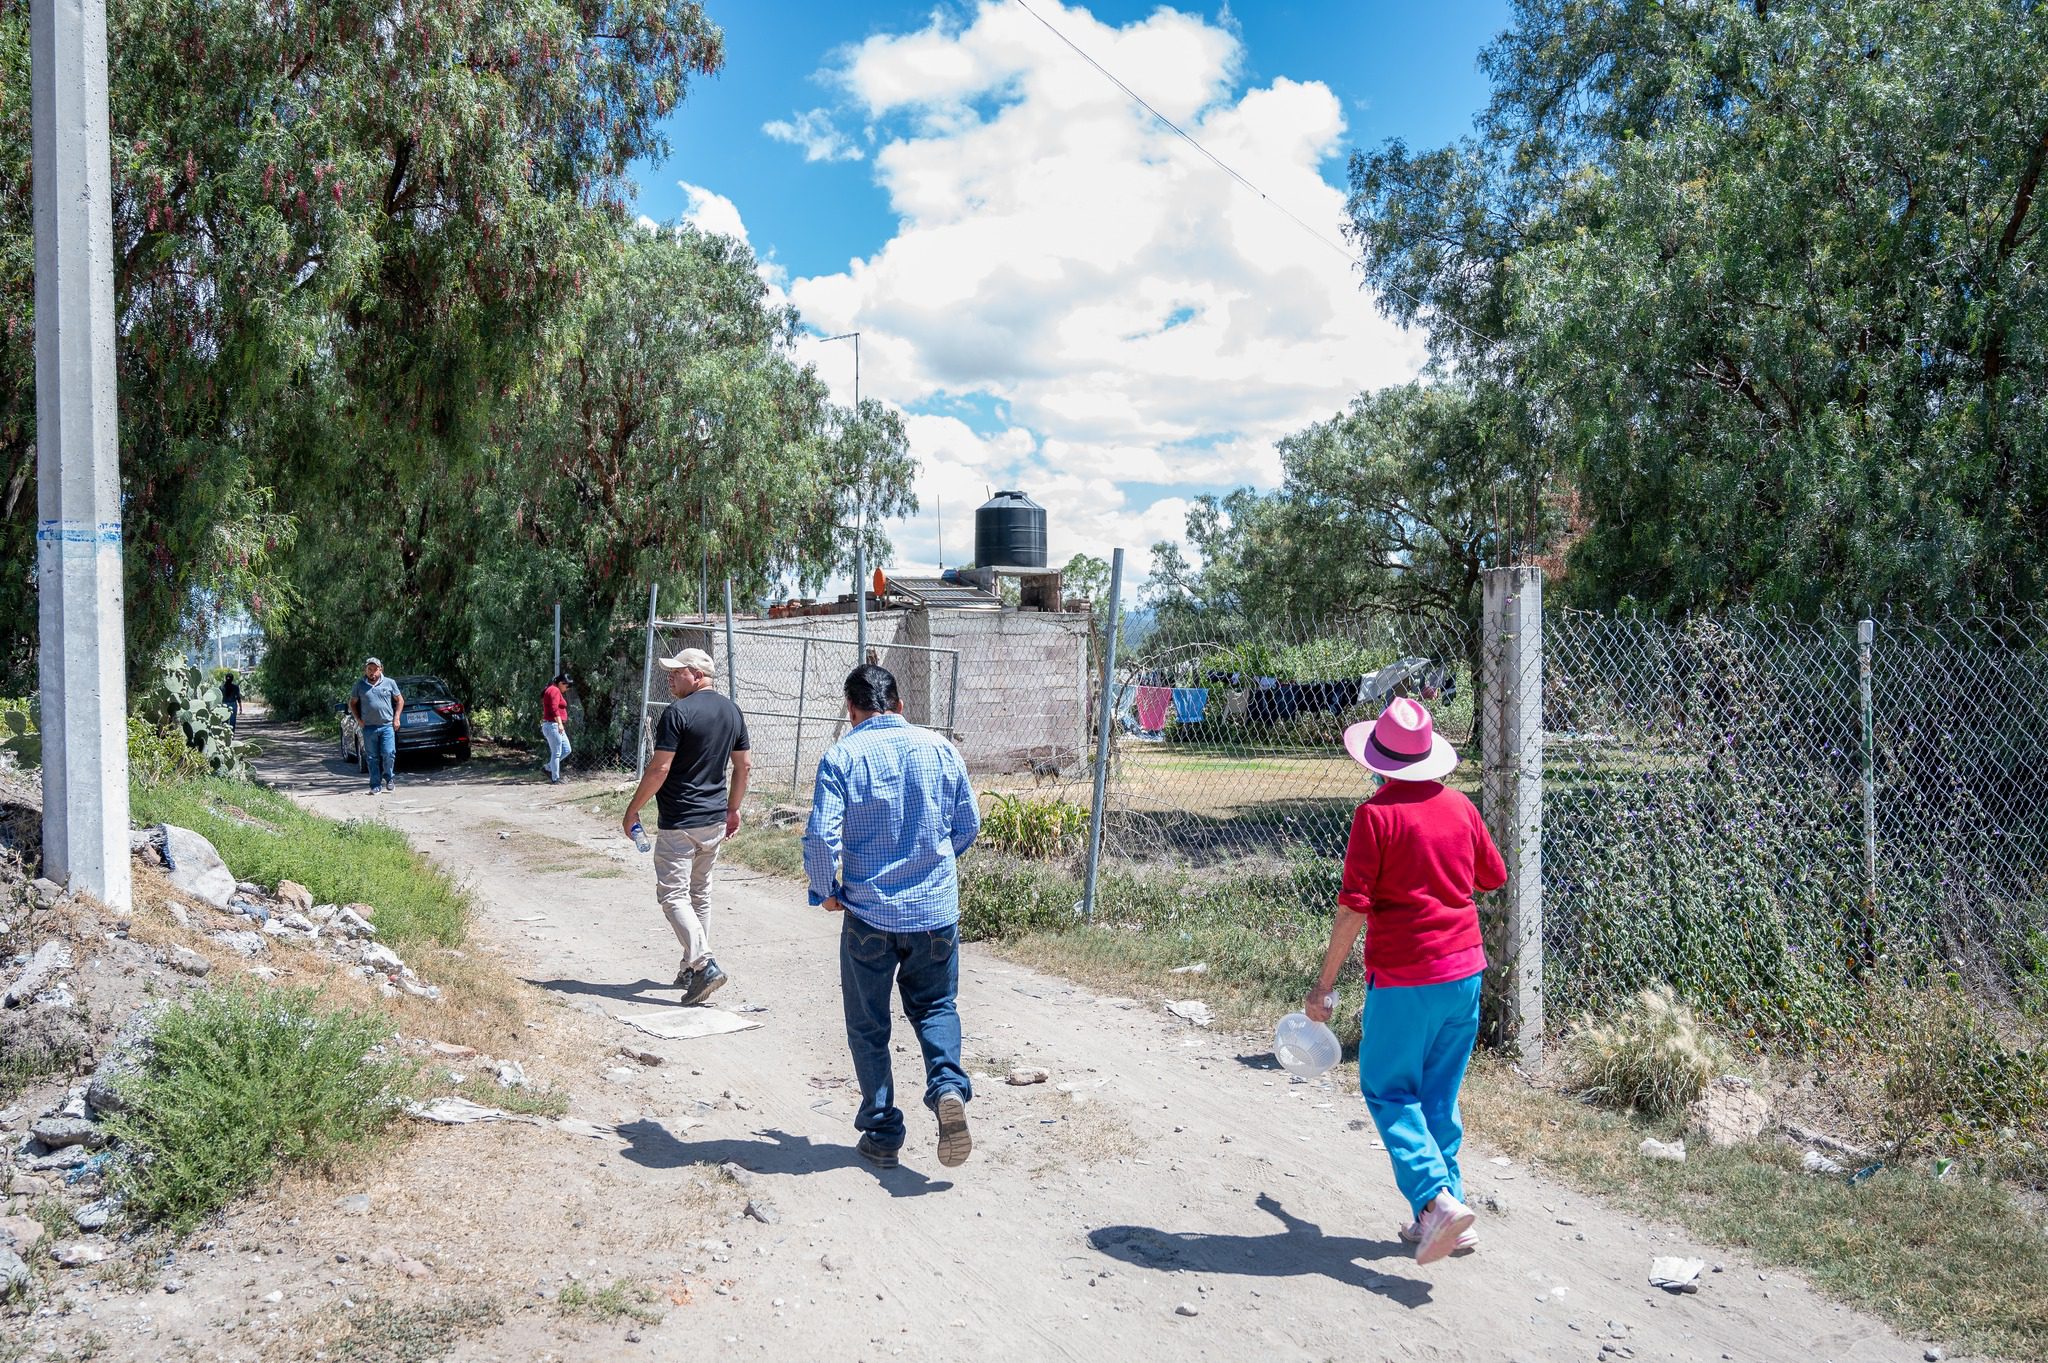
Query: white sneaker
[
  {"x": 1438, "y": 1229},
  {"x": 1411, "y": 1234}
]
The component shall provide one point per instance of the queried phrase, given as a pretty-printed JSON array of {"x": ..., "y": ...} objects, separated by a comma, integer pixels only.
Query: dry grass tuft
[{"x": 1653, "y": 1057}]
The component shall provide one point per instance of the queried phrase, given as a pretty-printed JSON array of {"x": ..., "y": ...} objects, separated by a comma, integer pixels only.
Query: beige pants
[{"x": 684, "y": 859}]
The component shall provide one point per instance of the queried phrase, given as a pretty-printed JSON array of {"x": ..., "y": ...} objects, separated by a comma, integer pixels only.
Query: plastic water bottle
[
  {"x": 1304, "y": 1048},
  {"x": 640, "y": 838}
]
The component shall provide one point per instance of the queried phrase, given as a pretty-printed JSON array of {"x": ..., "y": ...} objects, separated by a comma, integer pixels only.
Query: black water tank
[{"x": 1009, "y": 532}]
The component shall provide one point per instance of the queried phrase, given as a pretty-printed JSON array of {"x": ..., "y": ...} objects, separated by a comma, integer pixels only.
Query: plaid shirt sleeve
[{"x": 823, "y": 834}]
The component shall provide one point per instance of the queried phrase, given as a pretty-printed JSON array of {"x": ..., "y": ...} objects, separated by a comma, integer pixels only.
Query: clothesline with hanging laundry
[{"x": 1142, "y": 707}]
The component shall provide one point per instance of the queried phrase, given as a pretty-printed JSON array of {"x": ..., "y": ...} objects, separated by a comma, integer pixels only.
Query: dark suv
[{"x": 433, "y": 721}]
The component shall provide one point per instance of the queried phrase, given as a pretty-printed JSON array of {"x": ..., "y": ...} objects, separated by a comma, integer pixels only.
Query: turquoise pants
[{"x": 1415, "y": 1044}]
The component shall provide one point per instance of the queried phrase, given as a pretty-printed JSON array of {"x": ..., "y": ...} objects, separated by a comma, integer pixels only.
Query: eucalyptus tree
[
  {"x": 344, "y": 233},
  {"x": 1771, "y": 280}
]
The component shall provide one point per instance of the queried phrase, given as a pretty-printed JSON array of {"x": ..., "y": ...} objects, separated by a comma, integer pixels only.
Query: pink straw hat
[{"x": 1402, "y": 744}]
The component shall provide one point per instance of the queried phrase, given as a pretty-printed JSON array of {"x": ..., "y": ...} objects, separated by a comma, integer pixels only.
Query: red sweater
[
  {"x": 554, "y": 706},
  {"x": 1418, "y": 852}
]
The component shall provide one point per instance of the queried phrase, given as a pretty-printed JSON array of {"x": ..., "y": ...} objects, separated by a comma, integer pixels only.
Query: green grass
[
  {"x": 240, "y": 1085},
  {"x": 1952, "y": 1258},
  {"x": 266, "y": 838},
  {"x": 773, "y": 851},
  {"x": 418, "y": 1332},
  {"x": 622, "y": 1300}
]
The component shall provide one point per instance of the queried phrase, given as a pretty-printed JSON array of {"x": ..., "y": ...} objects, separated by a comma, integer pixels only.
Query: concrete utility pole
[
  {"x": 860, "y": 546},
  {"x": 78, "y": 477}
]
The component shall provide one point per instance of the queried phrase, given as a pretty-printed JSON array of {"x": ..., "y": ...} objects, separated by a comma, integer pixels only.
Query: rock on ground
[
  {"x": 186, "y": 961},
  {"x": 52, "y": 959},
  {"x": 127, "y": 1055},
  {"x": 14, "y": 1276},
  {"x": 20, "y": 1233},
  {"x": 43, "y": 1036},
  {"x": 243, "y": 943},
  {"x": 59, "y": 1132},
  {"x": 194, "y": 867},
  {"x": 294, "y": 896},
  {"x": 1731, "y": 1112}
]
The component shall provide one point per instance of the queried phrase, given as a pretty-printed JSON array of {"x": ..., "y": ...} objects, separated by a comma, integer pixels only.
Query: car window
[{"x": 424, "y": 690}]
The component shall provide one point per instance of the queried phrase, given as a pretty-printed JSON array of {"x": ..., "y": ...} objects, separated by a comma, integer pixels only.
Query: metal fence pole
[
  {"x": 803, "y": 681},
  {"x": 646, "y": 688},
  {"x": 1102, "y": 717},
  {"x": 860, "y": 601},
  {"x": 558, "y": 642},
  {"x": 953, "y": 701},
  {"x": 1866, "y": 640},
  {"x": 732, "y": 672},
  {"x": 1512, "y": 751}
]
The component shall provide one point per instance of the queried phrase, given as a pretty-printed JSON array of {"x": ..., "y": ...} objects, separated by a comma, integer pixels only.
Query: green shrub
[
  {"x": 1029, "y": 826},
  {"x": 1002, "y": 897},
  {"x": 19, "y": 732},
  {"x": 1653, "y": 1057},
  {"x": 1960, "y": 1082},
  {"x": 266, "y": 838},
  {"x": 159, "y": 755},
  {"x": 239, "y": 1085},
  {"x": 184, "y": 701}
]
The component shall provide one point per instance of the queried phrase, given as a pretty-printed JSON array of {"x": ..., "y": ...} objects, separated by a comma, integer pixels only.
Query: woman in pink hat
[{"x": 1418, "y": 853}]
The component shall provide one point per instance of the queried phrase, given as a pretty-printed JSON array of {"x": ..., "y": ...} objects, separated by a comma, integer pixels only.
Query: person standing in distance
[
  {"x": 700, "y": 735},
  {"x": 892, "y": 812},
  {"x": 231, "y": 696},
  {"x": 554, "y": 724},
  {"x": 377, "y": 703}
]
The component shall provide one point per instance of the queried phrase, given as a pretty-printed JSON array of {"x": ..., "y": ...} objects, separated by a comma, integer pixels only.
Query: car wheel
[{"x": 459, "y": 754}]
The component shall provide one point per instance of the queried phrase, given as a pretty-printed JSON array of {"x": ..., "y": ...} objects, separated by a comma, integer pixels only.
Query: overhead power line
[{"x": 1226, "y": 167}]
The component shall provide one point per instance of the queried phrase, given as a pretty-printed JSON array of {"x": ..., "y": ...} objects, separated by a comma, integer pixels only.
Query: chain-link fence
[
  {"x": 790, "y": 680},
  {"x": 1227, "y": 740},
  {"x": 1010, "y": 688},
  {"x": 1764, "y": 813}
]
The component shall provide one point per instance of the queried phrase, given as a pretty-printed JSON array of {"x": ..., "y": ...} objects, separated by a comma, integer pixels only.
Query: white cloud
[
  {"x": 712, "y": 212},
  {"x": 1139, "y": 316},
  {"x": 813, "y": 130}
]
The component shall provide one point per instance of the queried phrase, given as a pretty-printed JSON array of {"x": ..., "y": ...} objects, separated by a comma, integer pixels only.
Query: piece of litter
[
  {"x": 682, "y": 1024},
  {"x": 1198, "y": 968},
  {"x": 453, "y": 1111},
  {"x": 1674, "y": 1274},
  {"x": 1814, "y": 1162},
  {"x": 1671, "y": 1152},
  {"x": 1191, "y": 1010}
]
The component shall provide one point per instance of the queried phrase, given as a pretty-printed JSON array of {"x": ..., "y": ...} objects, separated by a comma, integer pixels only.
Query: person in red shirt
[
  {"x": 554, "y": 724},
  {"x": 1418, "y": 853}
]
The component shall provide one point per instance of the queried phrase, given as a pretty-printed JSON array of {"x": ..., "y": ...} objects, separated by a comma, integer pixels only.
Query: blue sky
[{"x": 1058, "y": 293}]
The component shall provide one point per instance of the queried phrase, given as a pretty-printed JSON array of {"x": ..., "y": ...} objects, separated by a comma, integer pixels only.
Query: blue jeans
[
  {"x": 1414, "y": 1045},
  {"x": 380, "y": 755},
  {"x": 925, "y": 968}
]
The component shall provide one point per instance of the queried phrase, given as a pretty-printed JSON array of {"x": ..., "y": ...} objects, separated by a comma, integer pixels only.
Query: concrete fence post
[
  {"x": 81, "y": 650},
  {"x": 1511, "y": 740}
]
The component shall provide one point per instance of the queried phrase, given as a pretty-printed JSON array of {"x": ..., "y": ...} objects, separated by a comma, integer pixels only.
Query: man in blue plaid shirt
[{"x": 892, "y": 811}]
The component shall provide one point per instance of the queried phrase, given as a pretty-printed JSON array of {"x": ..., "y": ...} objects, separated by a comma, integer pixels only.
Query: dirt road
[{"x": 1168, "y": 1195}]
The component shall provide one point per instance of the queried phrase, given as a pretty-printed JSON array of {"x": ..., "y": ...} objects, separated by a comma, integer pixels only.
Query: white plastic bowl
[{"x": 1304, "y": 1048}]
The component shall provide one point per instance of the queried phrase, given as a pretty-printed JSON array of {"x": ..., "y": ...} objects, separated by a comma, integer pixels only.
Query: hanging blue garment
[
  {"x": 1126, "y": 707},
  {"x": 1190, "y": 703}
]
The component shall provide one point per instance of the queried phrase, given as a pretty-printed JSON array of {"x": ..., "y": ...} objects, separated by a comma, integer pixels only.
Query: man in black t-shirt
[{"x": 699, "y": 736}]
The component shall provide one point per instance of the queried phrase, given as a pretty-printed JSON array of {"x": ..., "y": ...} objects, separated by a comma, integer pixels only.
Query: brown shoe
[{"x": 954, "y": 1142}]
